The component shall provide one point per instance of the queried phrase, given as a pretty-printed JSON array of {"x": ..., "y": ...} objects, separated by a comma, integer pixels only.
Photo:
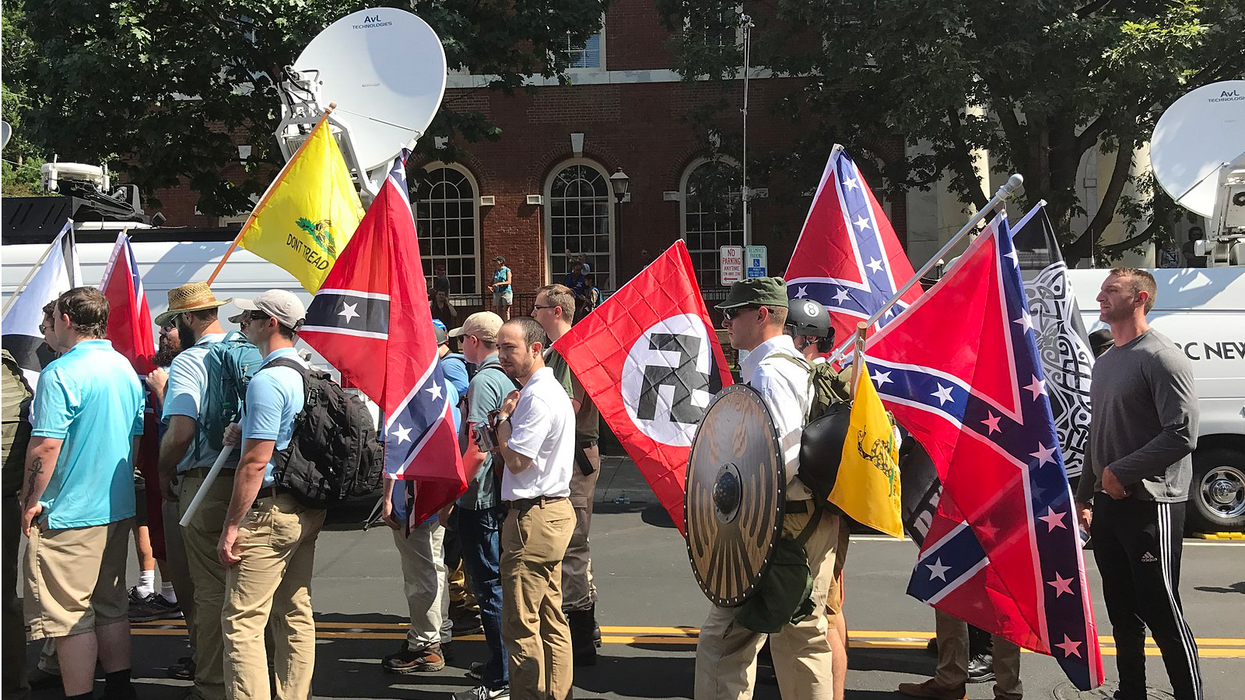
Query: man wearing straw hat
[{"x": 185, "y": 459}]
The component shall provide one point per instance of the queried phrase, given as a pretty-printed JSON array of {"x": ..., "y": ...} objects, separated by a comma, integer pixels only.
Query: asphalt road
[{"x": 650, "y": 607}]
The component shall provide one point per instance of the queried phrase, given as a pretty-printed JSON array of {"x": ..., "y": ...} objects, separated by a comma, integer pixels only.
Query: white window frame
[
  {"x": 475, "y": 219},
  {"x": 612, "y": 280},
  {"x": 601, "y": 66},
  {"x": 683, "y": 194}
]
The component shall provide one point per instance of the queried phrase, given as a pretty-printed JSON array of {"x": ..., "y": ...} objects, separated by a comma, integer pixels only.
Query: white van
[{"x": 1203, "y": 312}]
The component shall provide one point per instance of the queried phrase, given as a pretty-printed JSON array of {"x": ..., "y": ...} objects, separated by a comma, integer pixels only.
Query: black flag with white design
[
  {"x": 58, "y": 273},
  {"x": 1063, "y": 344}
]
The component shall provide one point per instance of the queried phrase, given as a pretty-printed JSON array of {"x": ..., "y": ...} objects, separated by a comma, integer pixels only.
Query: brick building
[{"x": 542, "y": 192}]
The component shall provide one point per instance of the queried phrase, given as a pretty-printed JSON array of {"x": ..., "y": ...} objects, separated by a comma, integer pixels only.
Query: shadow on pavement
[{"x": 1234, "y": 588}]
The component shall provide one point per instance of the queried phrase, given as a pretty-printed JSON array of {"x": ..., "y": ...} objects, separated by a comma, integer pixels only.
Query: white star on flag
[
  {"x": 881, "y": 378},
  {"x": 1044, "y": 454},
  {"x": 841, "y": 295},
  {"x": 937, "y": 570},
  {"x": 1062, "y": 585},
  {"x": 1025, "y": 321},
  {"x": 851, "y": 183},
  {"x": 862, "y": 223},
  {"x": 1014, "y": 258},
  {"x": 1053, "y": 519},
  {"x": 801, "y": 293},
  {"x": 1037, "y": 386},
  {"x": 943, "y": 394},
  {"x": 434, "y": 391},
  {"x": 349, "y": 311},
  {"x": 1069, "y": 647},
  {"x": 403, "y": 434},
  {"x": 991, "y": 422},
  {"x": 875, "y": 265}
]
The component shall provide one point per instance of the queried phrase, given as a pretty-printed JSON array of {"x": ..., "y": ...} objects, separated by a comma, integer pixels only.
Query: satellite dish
[
  {"x": 385, "y": 68},
  {"x": 1195, "y": 137},
  {"x": 5, "y": 132}
]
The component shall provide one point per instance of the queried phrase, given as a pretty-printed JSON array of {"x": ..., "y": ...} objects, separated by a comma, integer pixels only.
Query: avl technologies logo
[{"x": 371, "y": 22}]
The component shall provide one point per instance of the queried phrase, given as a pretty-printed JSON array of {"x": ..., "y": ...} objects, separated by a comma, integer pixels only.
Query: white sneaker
[{"x": 481, "y": 693}]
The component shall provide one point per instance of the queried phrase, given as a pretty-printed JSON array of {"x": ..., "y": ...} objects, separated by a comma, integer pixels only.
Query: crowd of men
[{"x": 241, "y": 566}]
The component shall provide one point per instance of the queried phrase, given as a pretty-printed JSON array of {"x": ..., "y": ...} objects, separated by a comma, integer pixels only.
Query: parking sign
[{"x": 731, "y": 263}]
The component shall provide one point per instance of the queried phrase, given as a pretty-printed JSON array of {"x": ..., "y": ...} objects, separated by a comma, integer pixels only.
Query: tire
[{"x": 1217, "y": 494}]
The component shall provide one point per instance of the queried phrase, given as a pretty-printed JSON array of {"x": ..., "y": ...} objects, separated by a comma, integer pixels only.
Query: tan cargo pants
[
  {"x": 533, "y": 626},
  {"x": 277, "y": 543},
  {"x": 952, "y": 669},
  {"x": 199, "y": 540},
  {"x": 726, "y": 655}
]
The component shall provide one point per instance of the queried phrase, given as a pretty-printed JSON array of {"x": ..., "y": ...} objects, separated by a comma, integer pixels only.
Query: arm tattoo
[{"x": 32, "y": 476}]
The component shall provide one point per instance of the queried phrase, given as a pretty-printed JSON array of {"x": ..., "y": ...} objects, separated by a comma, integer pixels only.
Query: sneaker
[
  {"x": 930, "y": 689},
  {"x": 183, "y": 670},
  {"x": 135, "y": 598},
  {"x": 425, "y": 660},
  {"x": 468, "y": 624},
  {"x": 981, "y": 668},
  {"x": 155, "y": 607},
  {"x": 481, "y": 693},
  {"x": 476, "y": 670}
]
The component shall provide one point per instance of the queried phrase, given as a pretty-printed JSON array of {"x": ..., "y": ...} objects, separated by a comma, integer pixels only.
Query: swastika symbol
[{"x": 683, "y": 377}]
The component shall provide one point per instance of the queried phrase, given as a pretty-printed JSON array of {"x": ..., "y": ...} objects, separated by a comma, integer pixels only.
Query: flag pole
[
  {"x": 1013, "y": 184},
  {"x": 858, "y": 340},
  {"x": 268, "y": 193}
]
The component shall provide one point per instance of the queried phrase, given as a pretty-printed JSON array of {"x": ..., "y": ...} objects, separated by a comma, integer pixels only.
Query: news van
[{"x": 1202, "y": 310}]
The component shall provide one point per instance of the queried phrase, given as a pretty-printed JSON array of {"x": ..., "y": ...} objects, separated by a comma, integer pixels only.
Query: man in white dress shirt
[{"x": 755, "y": 311}]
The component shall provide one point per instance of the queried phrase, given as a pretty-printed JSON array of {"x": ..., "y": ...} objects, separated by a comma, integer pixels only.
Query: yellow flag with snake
[
  {"x": 308, "y": 213},
  {"x": 867, "y": 487}
]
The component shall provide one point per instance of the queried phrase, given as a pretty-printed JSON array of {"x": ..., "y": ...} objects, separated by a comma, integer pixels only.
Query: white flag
[{"x": 58, "y": 273}]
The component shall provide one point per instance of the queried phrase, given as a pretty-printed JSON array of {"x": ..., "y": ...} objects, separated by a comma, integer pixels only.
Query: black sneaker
[
  {"x": 981, "y": 668},
  {"x": 155, "y": 607}
]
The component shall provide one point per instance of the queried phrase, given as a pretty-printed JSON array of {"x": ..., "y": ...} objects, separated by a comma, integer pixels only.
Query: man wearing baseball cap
[
  {"x": 268, "y": 562},
  {"x": 754, "y": 312}
]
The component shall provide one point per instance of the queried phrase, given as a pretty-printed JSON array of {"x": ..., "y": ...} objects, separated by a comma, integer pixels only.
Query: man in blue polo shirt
[
  {"x": 78, "y": 499},
  {"x": 268, "y": 543}
]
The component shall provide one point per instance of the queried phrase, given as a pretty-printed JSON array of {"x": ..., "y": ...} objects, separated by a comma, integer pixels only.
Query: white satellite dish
[
  {"x": 1199, "y": 134},
  {"x": 385, "y": 68}
]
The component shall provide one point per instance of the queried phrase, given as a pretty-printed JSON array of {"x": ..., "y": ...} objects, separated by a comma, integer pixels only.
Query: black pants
[{"x": 1137, "y": 546}]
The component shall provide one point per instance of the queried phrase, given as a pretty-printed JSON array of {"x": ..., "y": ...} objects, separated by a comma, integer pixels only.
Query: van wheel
[{"x": 1217, "y": 494}]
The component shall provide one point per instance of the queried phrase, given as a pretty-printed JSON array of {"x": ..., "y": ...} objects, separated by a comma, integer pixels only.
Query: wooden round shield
[{"x": 736, "y": 486}]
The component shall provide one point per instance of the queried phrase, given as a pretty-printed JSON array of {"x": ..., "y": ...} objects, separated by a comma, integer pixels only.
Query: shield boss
[{"x": 736, "y": 486}]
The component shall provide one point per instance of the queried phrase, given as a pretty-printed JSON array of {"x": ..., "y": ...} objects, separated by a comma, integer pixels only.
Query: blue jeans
[{"x": 479, "y": 532}]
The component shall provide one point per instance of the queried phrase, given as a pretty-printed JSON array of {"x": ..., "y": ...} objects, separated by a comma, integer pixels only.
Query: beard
[
  {"x": 168, "y": 349},
  {"x": 185, "y": 335}
]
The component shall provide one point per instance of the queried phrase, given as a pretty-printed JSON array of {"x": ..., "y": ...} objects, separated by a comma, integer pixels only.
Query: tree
[
  {"x": 19, "y": 173},
  {"x": 1037, "y": 83},
  {"x": 165, "y": 91}
]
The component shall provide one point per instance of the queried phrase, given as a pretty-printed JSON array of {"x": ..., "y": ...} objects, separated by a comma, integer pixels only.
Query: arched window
[
  {"x": 580, "y": 221},
  {"x": 446, "y": 218},
  {"x": 712, "y": 215}
]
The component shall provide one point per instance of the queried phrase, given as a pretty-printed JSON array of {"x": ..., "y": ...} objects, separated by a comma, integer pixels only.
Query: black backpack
[{"x": 334, "y": 453}]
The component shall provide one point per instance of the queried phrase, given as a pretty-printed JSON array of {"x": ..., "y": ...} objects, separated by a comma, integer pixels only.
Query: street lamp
[{"x": 619, "y": 182}]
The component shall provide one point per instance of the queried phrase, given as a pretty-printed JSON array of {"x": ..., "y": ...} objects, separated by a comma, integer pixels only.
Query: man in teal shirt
[{"x": 78, "y": 499}]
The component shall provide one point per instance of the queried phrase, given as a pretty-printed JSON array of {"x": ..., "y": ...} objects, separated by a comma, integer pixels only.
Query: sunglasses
[
  {"x": 44, "y": 329},
  {"x": 538, "y": 306},
  {"x": 731, "y": 314}
]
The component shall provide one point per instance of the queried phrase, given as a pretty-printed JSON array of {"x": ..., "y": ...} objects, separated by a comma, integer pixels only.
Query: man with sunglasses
[
  {"x": 755, "y": 311},
  {"x": 185, "y": 459}
]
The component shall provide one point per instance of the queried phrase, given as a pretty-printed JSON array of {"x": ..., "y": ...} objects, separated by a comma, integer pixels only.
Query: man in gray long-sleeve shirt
[{"x": 1143, "y": 430}]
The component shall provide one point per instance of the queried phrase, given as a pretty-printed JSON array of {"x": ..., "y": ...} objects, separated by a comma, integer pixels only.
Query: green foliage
[
  {"x": 163, "y": 91},
  {"x": 1036, "y": 82},
  {"x": 19, "y": 173}
]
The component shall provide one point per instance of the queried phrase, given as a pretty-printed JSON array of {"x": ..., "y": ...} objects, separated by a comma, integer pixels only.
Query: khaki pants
[
  {"x": 578, "y": 593},
  {"x": 726, "y": 654},
  {"x": 533, "y": 626},
  {"x": 277, "y": 543},
  {"x": 952, "y": 669},
  {"x": 175, "y": 564},
  {"x": 75, "y": 579},
  {"x": 423, "y": 581},
  {"x": 199, "y": 540}
]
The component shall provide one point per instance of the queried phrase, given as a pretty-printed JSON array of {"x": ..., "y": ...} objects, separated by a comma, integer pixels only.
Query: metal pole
[
  {"x": 1013, "y": 183},
  {"x": 744, "y": 194}
]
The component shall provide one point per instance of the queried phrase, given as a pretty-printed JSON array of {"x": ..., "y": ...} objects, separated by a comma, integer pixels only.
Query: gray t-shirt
[
  {"x": 488, "y": 388},
  {"x": 1144, "y": 425}
]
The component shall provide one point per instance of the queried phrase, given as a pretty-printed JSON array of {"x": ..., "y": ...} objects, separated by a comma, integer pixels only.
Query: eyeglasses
[
  {"x": 538, "y": 306},
  {"x": 731, "y": 314},
  {"x": 256, "y": 316},
  {"x": 44, "y": 329}
]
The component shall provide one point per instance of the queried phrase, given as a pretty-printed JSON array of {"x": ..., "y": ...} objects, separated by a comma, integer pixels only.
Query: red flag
[
  {"x": 649, "y": 358},
  {"x": 129, "y": 319},
  {"x": 372, "y": 321},
  {"x": 848, "y": 256},
  {"x": 960, "y": 370}
]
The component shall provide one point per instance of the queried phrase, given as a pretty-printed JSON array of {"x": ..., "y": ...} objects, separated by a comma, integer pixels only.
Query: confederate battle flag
[
  {"x": 960, "y": 371},
  {"x": 650, "y": 359},
  {"x": 371, "y": 320}
]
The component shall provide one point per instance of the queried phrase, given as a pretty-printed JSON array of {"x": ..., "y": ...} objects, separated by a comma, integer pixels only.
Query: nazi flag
[{"x": 650, "y": 360}]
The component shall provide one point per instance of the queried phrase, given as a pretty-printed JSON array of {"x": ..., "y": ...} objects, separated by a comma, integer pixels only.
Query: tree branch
[
  {"x": 1106, "y": 209},
  {"x": 1146, "y": 234},
  {"x": 961, "y": 161}
]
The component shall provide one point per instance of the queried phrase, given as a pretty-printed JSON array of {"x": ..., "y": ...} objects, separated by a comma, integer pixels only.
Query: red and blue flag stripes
[
  {"x": 960, "y": 371},
  {"x": 129, "y": 318}
]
